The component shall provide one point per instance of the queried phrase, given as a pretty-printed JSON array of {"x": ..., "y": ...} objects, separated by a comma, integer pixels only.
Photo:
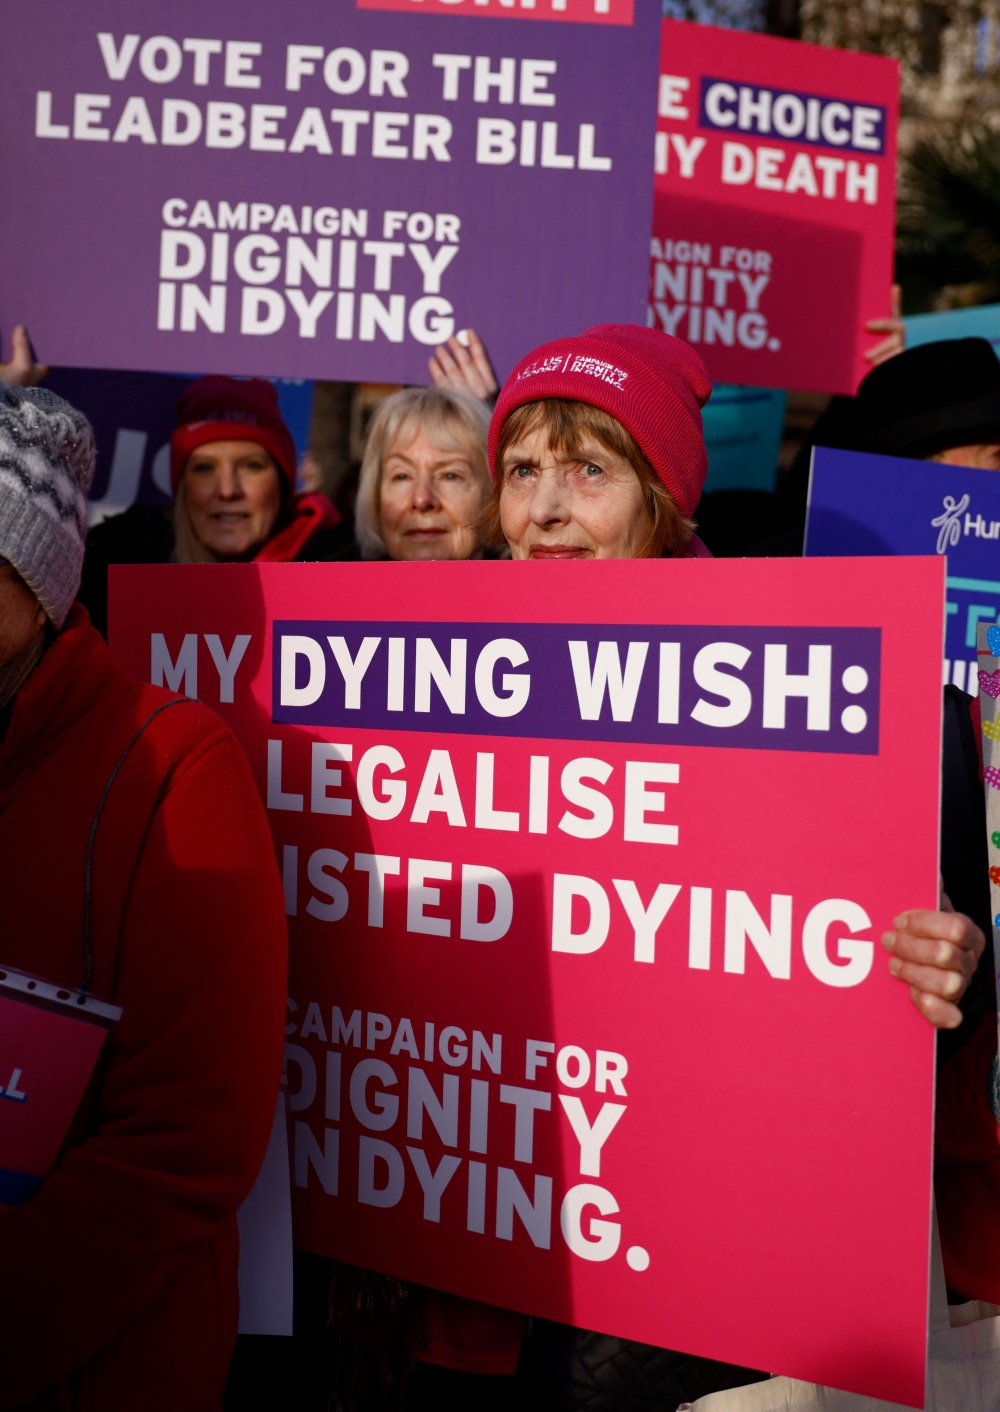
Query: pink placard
[
  {"x": 586, "y": 867},
  {"x": 46, "y": 1060},
  {"x": 594, "y": 12},
  {"x": 774, "y": 212}
]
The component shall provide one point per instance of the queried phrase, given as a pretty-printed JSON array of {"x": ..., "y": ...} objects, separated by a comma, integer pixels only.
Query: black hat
[{"x": 930, "y": 398}]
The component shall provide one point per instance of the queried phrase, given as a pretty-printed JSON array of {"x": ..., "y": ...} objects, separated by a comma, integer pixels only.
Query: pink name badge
[{"x": 50, "y": 1040}]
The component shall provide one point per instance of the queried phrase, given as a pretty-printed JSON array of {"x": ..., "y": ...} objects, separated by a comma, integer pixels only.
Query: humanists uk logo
[{"x": 955, "y": 523}]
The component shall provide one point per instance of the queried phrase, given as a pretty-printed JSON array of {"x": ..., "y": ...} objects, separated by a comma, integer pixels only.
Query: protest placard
[
  {"x": 774, "y": 213},
  {"x": 323, "y": 191},
  {"x": 981, "y": 321},
  {"x": 987, "y": 686},
  {"x": 50, "y": 1042},
  {"x": 864, "y": 504},
  {"x": 588, "y": 1015},
  {"x": 743, "y": 427}
]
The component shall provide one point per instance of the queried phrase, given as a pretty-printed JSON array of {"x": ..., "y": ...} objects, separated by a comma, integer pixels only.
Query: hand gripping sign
[
  {"x": 585, "y": 869},
  {"x": 325, "y": 190},
  {"x": 774, "y": 212}
]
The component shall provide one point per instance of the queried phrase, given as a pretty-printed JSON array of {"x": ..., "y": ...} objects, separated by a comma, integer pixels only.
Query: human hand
[
  {"x": 893, "y": 327},
  {"x": 22, "y": 370},
  {"x": 936, "y": 955},
  {"x": 464, "y": 369}
]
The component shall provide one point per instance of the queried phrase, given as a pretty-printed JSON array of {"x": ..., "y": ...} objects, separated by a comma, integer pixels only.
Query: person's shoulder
[
  {"x": 179, "y": 724},
  {"x": 142, "y": 534}
]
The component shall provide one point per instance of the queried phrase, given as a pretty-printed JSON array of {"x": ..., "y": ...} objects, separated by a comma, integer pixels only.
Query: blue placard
[
  {"x": 743, "y": 428},
  {"x": 864, "y": 504},
  {"x": 982, "y": 321}
]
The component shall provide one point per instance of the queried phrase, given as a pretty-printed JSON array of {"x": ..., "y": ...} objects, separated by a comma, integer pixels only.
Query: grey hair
[{"x": 451, "y": 421}]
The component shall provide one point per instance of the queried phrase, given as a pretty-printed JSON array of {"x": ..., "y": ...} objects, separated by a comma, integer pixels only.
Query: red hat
[
  {"x": 230, "y": 409},
  {"x": 653, "y": 384}
]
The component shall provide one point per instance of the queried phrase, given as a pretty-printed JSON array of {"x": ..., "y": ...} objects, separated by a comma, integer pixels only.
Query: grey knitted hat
[{"x": 46, "y": 467}]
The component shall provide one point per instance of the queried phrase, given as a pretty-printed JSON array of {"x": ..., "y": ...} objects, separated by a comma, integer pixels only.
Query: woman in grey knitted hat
[
  {"x": 46, "y": 466},
  {"x": 137, "y": 876}
]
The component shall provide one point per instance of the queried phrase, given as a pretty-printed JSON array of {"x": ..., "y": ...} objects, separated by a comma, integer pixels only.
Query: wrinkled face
[
  {"x": 429, "y": 501},
  {"x": 233, "y": 494},
  {"x": 21, "y": 614},
  {"x": 553, "y": 505},
  {"x": 986, "y": 457}
]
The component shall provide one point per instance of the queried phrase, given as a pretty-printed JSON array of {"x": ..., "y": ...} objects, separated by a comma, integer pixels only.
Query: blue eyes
[{"x": 589, "y": 469}]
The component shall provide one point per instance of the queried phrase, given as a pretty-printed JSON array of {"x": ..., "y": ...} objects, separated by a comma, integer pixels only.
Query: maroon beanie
[
  {"x": 230, "y": 409},
  {"x": 653, "y": 384}
]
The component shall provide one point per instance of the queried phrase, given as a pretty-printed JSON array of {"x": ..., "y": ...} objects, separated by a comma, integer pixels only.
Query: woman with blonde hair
[
  {"x": 232, "y": 470},
  {"x": 424, "y": 477}
]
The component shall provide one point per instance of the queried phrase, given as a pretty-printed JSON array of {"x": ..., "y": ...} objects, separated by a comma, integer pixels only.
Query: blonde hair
[
  {"x": 566, "y": 423},
  {"x": 451, "y": 421}
]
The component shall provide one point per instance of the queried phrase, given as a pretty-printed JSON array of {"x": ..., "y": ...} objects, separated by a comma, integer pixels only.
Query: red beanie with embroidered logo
[
  {"x": 653, "y": 384},
  {"x": 230, "y": 409}
]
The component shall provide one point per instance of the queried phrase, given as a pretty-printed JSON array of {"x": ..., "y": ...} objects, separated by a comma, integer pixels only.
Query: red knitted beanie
[
  {"x": 230, "y": 409},
  {"x": 653, "y": 384}
]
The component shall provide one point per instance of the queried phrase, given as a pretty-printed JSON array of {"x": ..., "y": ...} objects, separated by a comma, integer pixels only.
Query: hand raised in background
[
  {"x": 893, "y": 328},
  {"x": 464, "y": 366},
  {"x": 22, "y": 370}
]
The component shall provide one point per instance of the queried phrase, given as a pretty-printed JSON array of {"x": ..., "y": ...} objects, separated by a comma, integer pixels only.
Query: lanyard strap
[{"x": 88, "y": 944}]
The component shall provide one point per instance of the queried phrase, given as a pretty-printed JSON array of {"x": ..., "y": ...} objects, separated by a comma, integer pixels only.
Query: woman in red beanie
[
  {"x": 232, "y": 470},
  {"x": 596, "y": 448},
  {"x": 596, "y": 451}
]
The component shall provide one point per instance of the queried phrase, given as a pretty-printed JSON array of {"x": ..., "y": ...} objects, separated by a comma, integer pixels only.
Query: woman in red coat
[
  {"x": 118, "y": 1276},
  {"x": 232, "y": 473}
]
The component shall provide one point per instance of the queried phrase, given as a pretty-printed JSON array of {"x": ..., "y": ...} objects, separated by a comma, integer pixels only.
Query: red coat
[{"x": 118, "y": 1278}]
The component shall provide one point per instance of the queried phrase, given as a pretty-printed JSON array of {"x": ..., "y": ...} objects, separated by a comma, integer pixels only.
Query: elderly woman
[
  {"x": 424, "y": 477},
  {"x": 128, "y": 1249},
  {"x": 596, "y": 450},
  {"x": 232, "y": 471}
]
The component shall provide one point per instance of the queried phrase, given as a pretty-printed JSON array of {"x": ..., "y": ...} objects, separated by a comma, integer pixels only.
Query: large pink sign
[
  {"x": 585, "y": 868},
  {"x": 774, "y": 213}
]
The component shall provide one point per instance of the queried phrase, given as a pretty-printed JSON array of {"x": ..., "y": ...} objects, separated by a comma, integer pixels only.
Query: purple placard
[
  {"x": 317, "y": 191},
  {"x": 754, "y": 688},
  {"x": 792, "y": 116}
]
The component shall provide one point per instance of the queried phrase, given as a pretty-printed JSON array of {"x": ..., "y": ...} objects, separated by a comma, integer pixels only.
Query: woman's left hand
[{"x": 936, "y": 955}]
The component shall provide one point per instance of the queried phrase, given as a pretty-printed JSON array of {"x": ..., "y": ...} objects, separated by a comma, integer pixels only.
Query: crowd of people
[{"x": 118, "y": 1277}]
